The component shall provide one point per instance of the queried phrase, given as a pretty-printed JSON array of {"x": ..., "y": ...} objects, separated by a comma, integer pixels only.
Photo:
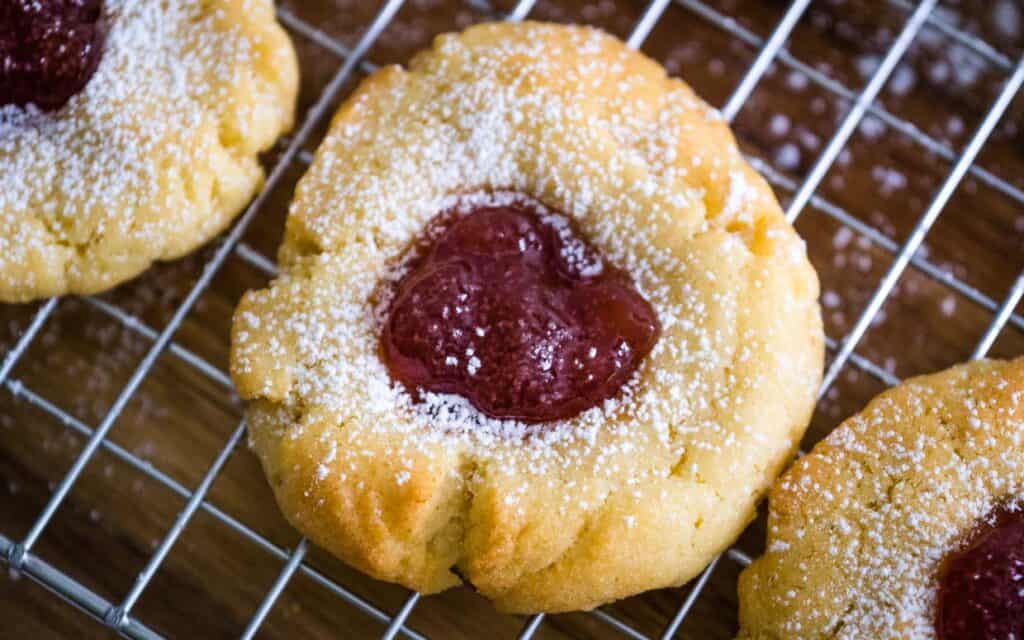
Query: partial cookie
[
  {"x": 545, "y": 488},
  {"x": 907, "y": 522},
  {"x": 137, "y": 139}
]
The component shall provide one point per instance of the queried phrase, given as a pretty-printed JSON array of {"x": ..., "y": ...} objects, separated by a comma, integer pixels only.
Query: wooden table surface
[{"x": 214, "y": 578}]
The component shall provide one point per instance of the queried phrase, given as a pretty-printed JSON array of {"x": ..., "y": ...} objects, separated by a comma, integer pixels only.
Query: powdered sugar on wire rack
[{"x": 883, "y": 71}]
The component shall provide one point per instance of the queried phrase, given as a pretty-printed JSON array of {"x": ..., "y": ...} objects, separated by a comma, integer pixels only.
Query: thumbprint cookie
[
  {"x": 129, "y": 132},
  {"x": 906, "y": 523},
  {"x": 539, "y": 328}
]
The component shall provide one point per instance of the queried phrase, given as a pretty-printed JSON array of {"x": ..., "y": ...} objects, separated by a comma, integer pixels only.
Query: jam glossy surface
[
  {"x": 508, "y": 307},
  {"x": 981, "y": 589},
  {"x": 49, "y": 49}
]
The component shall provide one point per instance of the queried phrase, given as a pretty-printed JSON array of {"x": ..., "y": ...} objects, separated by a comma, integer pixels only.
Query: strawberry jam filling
[
  {"x": 981, "y": 589},
  {"x": 49, "y": 49},
  {"x": 507, "y": 306}
]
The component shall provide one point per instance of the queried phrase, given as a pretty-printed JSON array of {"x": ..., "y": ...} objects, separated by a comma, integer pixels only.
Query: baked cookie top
[
  {"x": 153, "y": 156},
  {"x": 635, "y": 493},
  {"x": 864, "y": 530}
]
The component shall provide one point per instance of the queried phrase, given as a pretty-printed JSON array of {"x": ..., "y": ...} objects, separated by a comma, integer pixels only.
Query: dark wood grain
[{"x": 214, "y": 578}]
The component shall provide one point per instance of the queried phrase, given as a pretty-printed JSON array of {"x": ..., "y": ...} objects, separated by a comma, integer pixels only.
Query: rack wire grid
[{"x": 156, "y": 330}]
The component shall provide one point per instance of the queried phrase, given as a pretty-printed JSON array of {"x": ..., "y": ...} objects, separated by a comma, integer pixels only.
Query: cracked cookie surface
[
  {"x": 636, "y": 493},
  {"x": 859, "y": 529},
  {"x": 154, "y": 156}
]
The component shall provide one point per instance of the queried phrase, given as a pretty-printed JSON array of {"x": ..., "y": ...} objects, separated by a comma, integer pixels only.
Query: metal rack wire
[{"x": 117, "y": 616}]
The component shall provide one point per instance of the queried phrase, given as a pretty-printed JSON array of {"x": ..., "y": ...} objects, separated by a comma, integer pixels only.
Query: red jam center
[
  {"x": 49, "y": 49},
  {"x": 981, "y": 590},
  {"x": 509, "y": 308}
]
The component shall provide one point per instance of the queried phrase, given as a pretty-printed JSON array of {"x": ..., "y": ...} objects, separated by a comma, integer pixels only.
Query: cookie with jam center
[
  {"x": 130, "y": 132},
  {"x": 906, "y": 523},
  {"x": 539, "y": 327}
]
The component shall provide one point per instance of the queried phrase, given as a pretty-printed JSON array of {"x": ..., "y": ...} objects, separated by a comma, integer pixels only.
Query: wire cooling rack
[{"x": 860, "y": 106}]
